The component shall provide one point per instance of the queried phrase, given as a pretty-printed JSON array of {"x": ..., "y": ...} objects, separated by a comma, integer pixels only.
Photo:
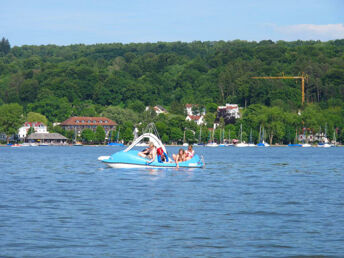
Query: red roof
[
  {"x": 34, "y": 124},
  {"x": 86, "y": 120},
  {"x": 195, "y": 118},
  {"x": 188, "y": 105}
]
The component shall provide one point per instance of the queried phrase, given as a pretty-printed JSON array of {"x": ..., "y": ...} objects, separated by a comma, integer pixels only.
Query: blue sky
[{"x": 64, "y": 22}]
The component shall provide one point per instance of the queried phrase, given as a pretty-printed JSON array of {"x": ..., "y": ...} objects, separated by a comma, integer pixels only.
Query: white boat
[
  {"x": 212, "y": 144},
  {"x": 252, "y": 145},
  {"x": 324, "y": 145},
  {"x": 306, "y": 145},
  {"x": 241, "y": 144}
]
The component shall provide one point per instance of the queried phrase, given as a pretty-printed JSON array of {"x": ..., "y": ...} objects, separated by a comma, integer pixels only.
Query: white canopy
[{"x": 152, "y": 138}]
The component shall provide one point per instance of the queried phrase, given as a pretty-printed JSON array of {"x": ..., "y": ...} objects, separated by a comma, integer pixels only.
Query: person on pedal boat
[
  {"x": 189, "y": 153},
  {"x": 149, "y": 153}
]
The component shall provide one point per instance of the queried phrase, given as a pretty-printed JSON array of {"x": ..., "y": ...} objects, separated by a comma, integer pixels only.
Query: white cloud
[{"x": 311, "y": 31}]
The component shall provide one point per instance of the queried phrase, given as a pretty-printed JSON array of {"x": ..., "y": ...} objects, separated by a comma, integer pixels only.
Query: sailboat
[
  {"x": 305, "y": 144},
  {"x": 212, "y": 143},
  {"x": 76, "y": 143},
  {"x": 185, "y": 144},
  {"x": 229, "y": 138},
  {"x": 241, "y": 143},
  {"x": 324, "y": 143},
  {"x": 262, "y": 142},
  {"x": 222, "y": 136},
  {"x": 251, "y": 144},
  {"x": 334, "y": 138}
]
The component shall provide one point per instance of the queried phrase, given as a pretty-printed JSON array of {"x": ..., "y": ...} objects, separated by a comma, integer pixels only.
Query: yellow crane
[{"x": 303, "y": 77}]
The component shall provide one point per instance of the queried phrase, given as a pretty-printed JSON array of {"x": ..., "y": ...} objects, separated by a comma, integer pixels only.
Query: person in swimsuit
[
  {"x": 149, "y": 153},
  {"x": 189, "y": 153},
  {"x": 180, "y": 157}
]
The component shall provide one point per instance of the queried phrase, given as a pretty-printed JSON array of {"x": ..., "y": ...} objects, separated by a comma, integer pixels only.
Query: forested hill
[{"x": 60, "y": 81}]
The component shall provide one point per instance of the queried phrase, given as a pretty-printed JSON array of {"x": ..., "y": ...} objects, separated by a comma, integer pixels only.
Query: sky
[{"x": 65, "y": 22}]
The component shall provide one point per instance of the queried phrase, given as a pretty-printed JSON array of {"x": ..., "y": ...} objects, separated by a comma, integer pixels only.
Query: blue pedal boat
[{"x": 129, "y": 158}]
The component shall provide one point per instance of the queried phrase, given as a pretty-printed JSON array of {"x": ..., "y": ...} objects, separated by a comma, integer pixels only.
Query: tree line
[{"x": 110, "y": 79}]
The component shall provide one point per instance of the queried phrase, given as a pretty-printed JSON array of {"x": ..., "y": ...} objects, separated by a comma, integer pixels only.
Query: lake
[{"x": 61, "y": 201}]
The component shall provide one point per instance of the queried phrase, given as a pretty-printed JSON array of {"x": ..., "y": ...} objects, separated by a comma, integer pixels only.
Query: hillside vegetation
[{"x": 61, "y": 81}]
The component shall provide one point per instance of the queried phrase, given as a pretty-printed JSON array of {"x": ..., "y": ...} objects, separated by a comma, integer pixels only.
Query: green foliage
[
  {"x": 100, "y": 80},
  {"x": 4, "y": 46},
  {"x": 11, "y": 118},
  {"x": 120, "y": 115},
  {"x": 88, "y": 136},
  {"x": 99, "y": 135},
  {"x": 137, "y": 106},
  {"x": 31, "y": 130},
  {"x": 36, "y": 117},
  {"x": 128, "y": 135}
]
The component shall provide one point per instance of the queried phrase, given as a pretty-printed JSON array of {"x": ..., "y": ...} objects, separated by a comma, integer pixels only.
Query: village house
[
  {"x": 194, "y": 110},
  {"x": 47, "y": 138},
  {"x": 38, "y": 127},
  {"x": 79, "y": 123},
  {"x": 229, "y": 112},
  {"x": 157, "y": 109},
  {"x": 199, "y": 120}
]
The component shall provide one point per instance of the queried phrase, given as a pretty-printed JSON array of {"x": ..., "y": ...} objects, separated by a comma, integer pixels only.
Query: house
[
  {"x": 199, "y": 120},
  {"x": 79, "y": 123},
  {"x": 190, "y": 112},
  {"x": 158, "y": 109},
  {"x": 229, "y": 112},
  {"x": 38, "y": 127},
  {"x": 49, "y": 138}
]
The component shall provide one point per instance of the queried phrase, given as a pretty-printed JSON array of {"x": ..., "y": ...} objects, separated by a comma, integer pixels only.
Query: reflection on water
[{"x": 246, "y": 202}]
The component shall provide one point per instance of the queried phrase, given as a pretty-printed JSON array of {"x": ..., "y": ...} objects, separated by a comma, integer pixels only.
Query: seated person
[
  {"x": 149, "y": 153},
  {"x": 180, "y": 157},
  {"x": 162, "y": 156},
  {"x": 189, "y": 153}
]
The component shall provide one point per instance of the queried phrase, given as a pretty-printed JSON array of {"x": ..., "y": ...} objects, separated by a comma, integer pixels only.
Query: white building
[
  {"x": 158, "y": 109},
  {"x": 230, "y": 109},
  {"x": 199, "y": 120},
  {"x": 188, "y": 109},
  {"x": 38, "y": 127}
]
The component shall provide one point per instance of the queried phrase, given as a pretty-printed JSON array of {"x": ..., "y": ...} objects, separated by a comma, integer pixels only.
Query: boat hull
[{"x": 131, "y": 159}]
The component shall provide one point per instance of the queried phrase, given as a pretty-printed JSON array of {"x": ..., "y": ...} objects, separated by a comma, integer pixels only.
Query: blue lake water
[{"x": 61, "y": 201}]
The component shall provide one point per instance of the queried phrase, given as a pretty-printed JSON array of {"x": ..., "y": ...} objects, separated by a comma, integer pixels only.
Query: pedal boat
[{"x": 129, "y": 158}]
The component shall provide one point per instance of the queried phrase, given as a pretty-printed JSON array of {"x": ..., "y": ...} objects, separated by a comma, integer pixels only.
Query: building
[
  {"x": 158, "y": 109},
  {"x": 38, "y": 127},
  {"x": 199, "y": 120},
  {"x": 230, "y": 113},
  {"x": 79, "y": 123},
  {"x": 196, "y": 111},
  {"x": 48, "y": 138}
]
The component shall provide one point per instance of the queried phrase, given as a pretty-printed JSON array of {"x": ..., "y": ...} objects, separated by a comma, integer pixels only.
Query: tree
[
  {"x": 11, "y": 118},
  {"x": 165, "y": 138},
  {"x": 88, "y": 135},
  {"x": 137, "y": 106},
  {"x": 99, "y": 135},
  {"x": 5, "y": 46},
  {"x": 211, "y": 107},
  {"x": 128, "y": 136},
  {"x": 31, "y": 130},
  {"x": 176, "y": 134},
  {"x": 120, "y": 115},
  {"x": 36, "y": 117}
]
